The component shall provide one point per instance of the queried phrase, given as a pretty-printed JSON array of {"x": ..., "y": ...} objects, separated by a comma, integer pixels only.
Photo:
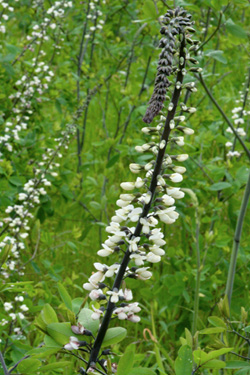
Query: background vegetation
[{"x": 100, "y": 60}]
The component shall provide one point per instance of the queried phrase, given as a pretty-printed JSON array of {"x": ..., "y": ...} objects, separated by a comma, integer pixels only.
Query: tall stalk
[
  {"x": 153, "y": 204},
  {"x": 236, "y": 242}
]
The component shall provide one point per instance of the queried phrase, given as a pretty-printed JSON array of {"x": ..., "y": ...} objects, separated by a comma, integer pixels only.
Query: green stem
[
  {"x": 236, "y": 243},
  {"x": 156, "y": 349},
  {"x": 198, "y": 276}
]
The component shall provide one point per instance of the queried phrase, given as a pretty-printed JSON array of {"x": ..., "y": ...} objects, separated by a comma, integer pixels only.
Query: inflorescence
[{"x": 134, "y": 230}]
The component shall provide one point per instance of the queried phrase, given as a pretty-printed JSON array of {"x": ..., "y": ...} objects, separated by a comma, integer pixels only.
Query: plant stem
[
  {"x": 236, "y": 243},
  {"x": 157, "y": 169},
  {"x": 5, "y": 370},
  {"x": 198, "y": 275},
  {"x": 156, "y": 349}
]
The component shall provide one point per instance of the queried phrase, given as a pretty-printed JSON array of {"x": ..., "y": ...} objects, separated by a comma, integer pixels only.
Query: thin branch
[
  {"x": 224, "y": 115},
  {"x": 5, "y": 370},
  {"x": 211, "y": 36}
]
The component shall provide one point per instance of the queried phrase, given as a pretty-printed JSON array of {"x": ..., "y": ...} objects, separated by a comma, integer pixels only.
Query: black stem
[{"x": 157, "y": 169}]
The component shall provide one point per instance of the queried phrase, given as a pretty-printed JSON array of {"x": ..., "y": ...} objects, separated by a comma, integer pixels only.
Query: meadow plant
[{"x": 134, "y": 230}]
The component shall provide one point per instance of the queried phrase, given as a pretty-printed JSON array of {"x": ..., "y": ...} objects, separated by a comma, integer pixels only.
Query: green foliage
[{"x": 68, "y": 223}]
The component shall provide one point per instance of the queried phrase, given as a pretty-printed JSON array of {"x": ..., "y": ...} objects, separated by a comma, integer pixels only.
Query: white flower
[
  {"x": 153, "y": 258},
  {"x": 138, "y": 258},
  {"x": 120, "y": 313},
  {"x": 175, "y": 192},
  {"x": 228, "y": 144},
  {"x": 97, "y": 277},
  {"x": 127, "y": 185},
  {"x": 179, "y": 141},
  {"x": 176, "y": 177},
  {"x": 127, "y": 294},
  {"x": 73, "y": 343},
  {"x": 229, "y": 130},
  {"x": 114, "y": 295},
  {"x": 95, "y": 294},
  {"x": 106, "y": 251},
  {"x": 157, "y": 250},
  {"x": 133, "y": 244},
  {"x": 239, "y": 121},
  {"x": 135, "y": 168},
  {"x": 241, "y": 132},
  {"x": 96, "y": 314},
  {"x": 188, "y": 131},
  {"x": 179, "y": 169},
  {"x": 168, "y": 200},
  {"x": 133, "y": 318},
  {"x": 139, "y": 183},
  {"x": 109, "y": 271},
  {"x": 90, "y": 286},
  {"x": 7, "y": 306},
  {"x": 143, "y": 273},
  {"x": 134, "y": 214},
  {"x": 20, "y": 298},
  {"x": 127, "y": 197},
  {"x": 24, "y": 308},
  {"x": 164, "y": 217},
  {"x": 181, "y": 157}
]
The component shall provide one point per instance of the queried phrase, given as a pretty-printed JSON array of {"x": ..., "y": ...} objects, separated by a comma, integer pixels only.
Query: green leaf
[
  {"x": 60, "y": 332},
  {"x": 125, "y": 363},
  {"x": 56, "y": 365},
  {"x": 5, "y": 254},
  {"x": 211, "y": 331},
  {"x": 214, "y": 364},
  {"x": 200, "y": 357},
  {"x": 217, "y": 55},
  {"x": 114, "y": 335},
  {"x": 76, "y": 304},
  {"x": 86, "y": 321},
  {"x": 236, "y": 364},
  {"x": 141, "y": 371},
  {"x": 113, "y": 160},
  {"x": 48, "y": 314},
  {"x": 235, "y": 30},
  {"x": 184, "y": 361},
  {"x": 51, "y": 343},
  {"x": 149, "y": 10},
  {"x": 65, "y": 296},
  {"x": 29, "y": 366},
  {"x": 243, "y": 371},
  {"x": 220, "y": 186},
  {"x": 213, "y": 354},
  {"x": 217, "y": 322},
  {"x": 16, "y": 181},
  {"x": 43, "y": 352}
]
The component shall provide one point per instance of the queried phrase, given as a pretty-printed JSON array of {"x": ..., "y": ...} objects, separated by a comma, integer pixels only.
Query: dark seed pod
[
  {"x": 82, "y": 343},
  {"x": 170, "y": 13},
  {"x": 106, "y": 352}
]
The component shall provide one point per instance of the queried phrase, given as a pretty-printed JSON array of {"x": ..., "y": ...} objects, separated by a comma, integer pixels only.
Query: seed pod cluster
[{"x": 175, "y": 23}]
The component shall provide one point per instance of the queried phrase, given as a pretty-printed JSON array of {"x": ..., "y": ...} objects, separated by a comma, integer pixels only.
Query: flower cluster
[
  {"x": 94, "y": 15},
  {"x": 239, "y": 116},
  {"x": 17, "y": 223},
  {"x": 15, "y": 312},
  {"x": 151, "y": 198},
  {"x": 33, "y": 83},
  {"x": 4, "y": 16}
]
